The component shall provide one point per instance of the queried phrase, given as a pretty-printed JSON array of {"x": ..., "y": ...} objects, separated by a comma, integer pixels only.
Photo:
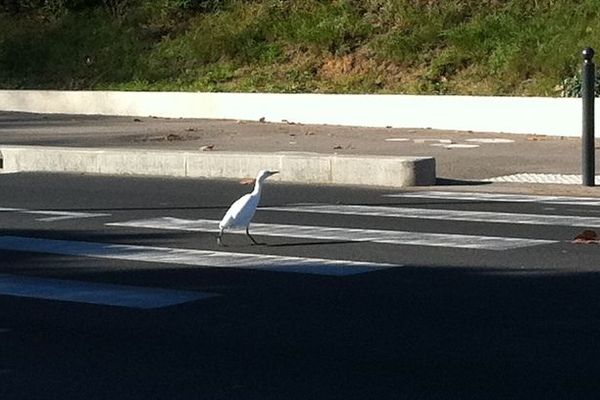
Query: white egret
[{"x": 242, "y": 211}]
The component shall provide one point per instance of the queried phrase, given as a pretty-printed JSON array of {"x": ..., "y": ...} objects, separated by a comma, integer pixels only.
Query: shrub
[{"x": 75, "y": 53}]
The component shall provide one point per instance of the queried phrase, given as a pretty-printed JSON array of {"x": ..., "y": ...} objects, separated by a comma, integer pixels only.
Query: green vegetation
[{"x": 517, "y": 47}]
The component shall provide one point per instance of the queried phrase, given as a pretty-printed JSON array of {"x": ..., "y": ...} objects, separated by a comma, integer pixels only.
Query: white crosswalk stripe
[
  {"x": 54, "y": 215},
  {"x": 347, "y": 234},
  {"x": 95, "y": 293},
  {"x": 500, "y": 197},
  {"x": 199, "y": 258},
  {"x": 451, "y": 215}
]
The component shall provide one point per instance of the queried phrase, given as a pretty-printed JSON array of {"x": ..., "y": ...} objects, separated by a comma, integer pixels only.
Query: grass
[{"x": 489, "y": 47}]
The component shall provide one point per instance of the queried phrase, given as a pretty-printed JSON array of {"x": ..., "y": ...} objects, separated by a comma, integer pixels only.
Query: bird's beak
[{"x": 274, "y": 172}]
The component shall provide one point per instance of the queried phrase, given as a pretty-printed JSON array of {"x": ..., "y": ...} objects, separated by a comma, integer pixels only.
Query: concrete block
[
  {"x": 37, "y": 158},
  {"x": 305, "y": 167},
  {"x": 142, "y": 162},
  {"x": 383, "y": 171},
  {"x": 293, "y": 167},
  {"x": 230, "y": 165}
]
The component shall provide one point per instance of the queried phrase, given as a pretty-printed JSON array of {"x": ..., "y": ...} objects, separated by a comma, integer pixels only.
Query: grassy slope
[{"x": 520, "y": 47}]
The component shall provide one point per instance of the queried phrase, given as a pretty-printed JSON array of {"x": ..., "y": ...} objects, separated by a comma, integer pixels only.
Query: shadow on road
[
  {"x": 414, "y": 332},
  {"x": 459, "y": 182}
]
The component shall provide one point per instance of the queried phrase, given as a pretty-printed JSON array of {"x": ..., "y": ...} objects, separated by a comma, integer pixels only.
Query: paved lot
[{"x": 472, "y": 156}]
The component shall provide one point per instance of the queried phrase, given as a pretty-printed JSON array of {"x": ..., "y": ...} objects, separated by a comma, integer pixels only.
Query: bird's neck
[{"x": 257, "y": 187}]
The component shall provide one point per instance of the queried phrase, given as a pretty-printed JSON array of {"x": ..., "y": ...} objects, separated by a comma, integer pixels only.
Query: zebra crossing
[
  {"x": 345, "y": 234},
  {"x": 400, "y": 237},
  {"x": 237, "y": 258}
]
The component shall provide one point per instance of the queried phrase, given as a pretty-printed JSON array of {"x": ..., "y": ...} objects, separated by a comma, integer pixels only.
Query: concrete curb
[{"x": 294, "y": 167}]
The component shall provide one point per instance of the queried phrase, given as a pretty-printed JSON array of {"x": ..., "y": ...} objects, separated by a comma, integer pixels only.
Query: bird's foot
[{"x": 255, "y": 242}]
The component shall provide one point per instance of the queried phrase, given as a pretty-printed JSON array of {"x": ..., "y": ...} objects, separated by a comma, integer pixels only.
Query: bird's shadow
[
  {"x": 294, "y": 244},
  {"x": 314, "y": 243}
]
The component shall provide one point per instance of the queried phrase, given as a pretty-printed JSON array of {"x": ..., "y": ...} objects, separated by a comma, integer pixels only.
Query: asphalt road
[{"x": 466, "y": 297}]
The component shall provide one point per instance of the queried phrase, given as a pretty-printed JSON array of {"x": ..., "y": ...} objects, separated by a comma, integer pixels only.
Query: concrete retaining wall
[
  {"x": 532, "y": 115},
  {"x": 301, "y": 167}
]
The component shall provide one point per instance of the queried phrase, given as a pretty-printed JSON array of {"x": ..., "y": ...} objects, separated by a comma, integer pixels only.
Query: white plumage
[{"x": 242, "y": 211}]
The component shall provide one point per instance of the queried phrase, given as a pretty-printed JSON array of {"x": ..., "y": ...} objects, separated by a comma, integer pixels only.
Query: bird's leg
[
  {"x": 220, "y": 238},
  {"x": 250, "y": 236}
]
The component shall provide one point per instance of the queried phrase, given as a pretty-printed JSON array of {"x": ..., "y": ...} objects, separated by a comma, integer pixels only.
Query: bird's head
[
  {"x": 264, "y": 174},
  {"x": 261, "y": 176}
]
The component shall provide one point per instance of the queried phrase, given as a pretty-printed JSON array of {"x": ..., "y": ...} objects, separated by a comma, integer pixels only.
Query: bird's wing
[{"x": 240, "y": 213}]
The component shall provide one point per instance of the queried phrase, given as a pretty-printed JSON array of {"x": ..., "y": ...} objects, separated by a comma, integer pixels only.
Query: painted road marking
[
  {"x": 564, "y": 179},
  {"x": 452, "y": 215},
  {"x": 490, "y": 140},
  {"x": 54, "y": 215},
  {"x": 63, "y": 215},
  {"x": 517, "y": 198},
  {"x": 95, "y": 293},
  {"x": 200, "y": 258},
  {"x": 346, "y": 234},
  {"x": 456, "y": 146}
]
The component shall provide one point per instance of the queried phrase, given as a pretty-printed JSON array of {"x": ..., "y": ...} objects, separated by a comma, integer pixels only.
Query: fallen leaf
[
  {"x": 588, "y": 236},
  {"x": 537, "y": 137},
  {"x": 248, "y": 181}
]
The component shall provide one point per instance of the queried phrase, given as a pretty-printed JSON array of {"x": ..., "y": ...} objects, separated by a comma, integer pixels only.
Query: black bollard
[{"x": 587, "y": 135}]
